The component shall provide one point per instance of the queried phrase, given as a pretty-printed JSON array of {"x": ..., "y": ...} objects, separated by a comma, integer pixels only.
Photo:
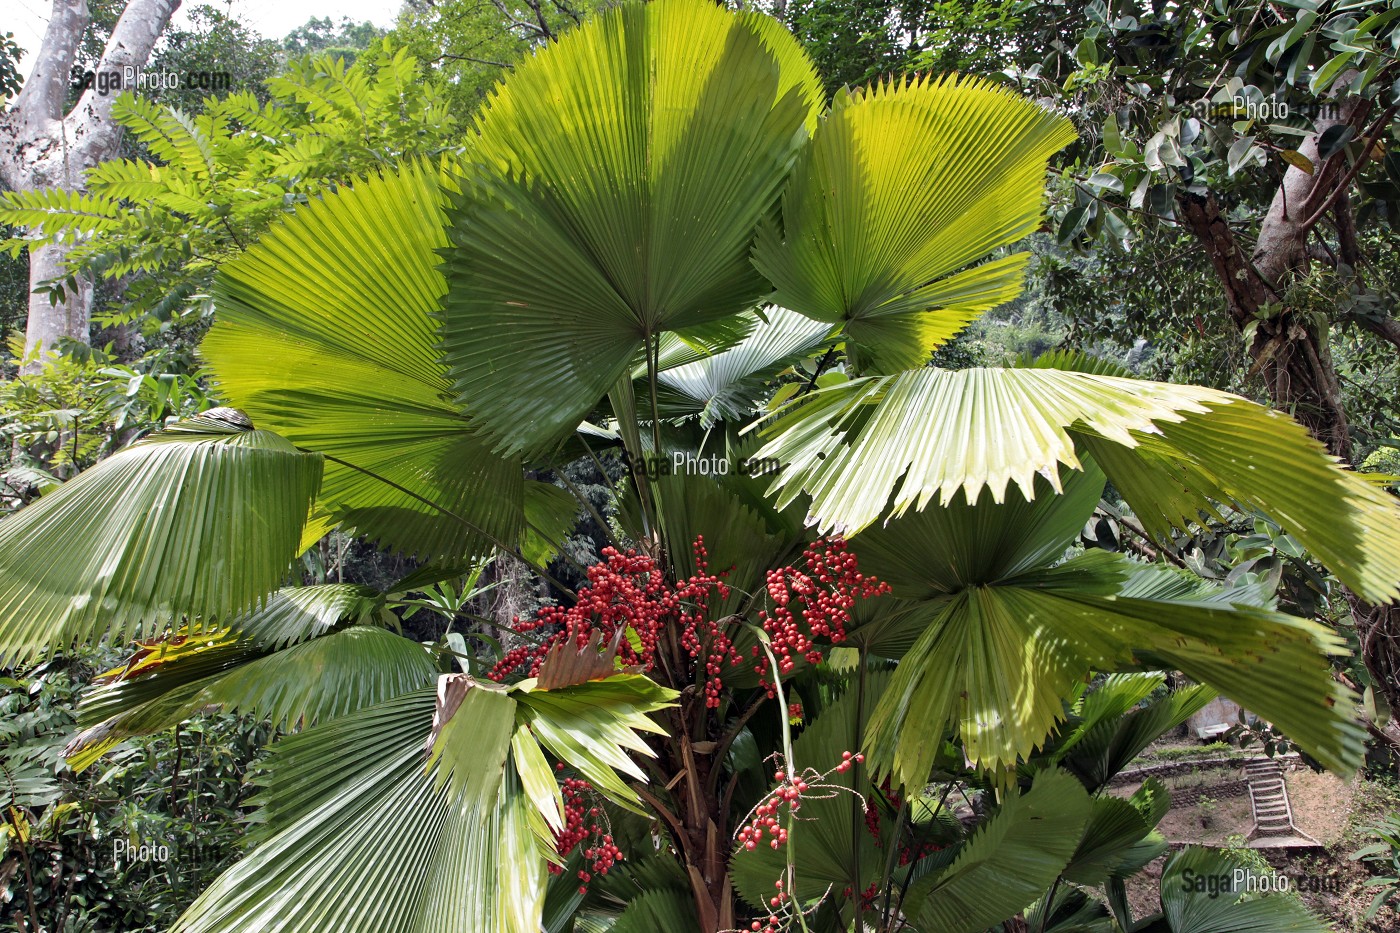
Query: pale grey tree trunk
[
  {"x": 41, "y": 147},
  {"x": 50, "y": 322}
]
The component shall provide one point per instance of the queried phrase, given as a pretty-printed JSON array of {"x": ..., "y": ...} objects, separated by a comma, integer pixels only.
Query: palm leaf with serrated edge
[
  {"x": 203, "y": 519},
  {"x": 1020, "y": 646},
  {"x": 638, "y": 155},
  {"x": 1168, "y": 449},
  {"x": 904, "y": 187},
  {"x": 325, "y": 332}
]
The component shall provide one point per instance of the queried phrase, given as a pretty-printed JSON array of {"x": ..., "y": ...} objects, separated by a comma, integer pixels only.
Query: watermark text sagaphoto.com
[
  {"x": 124, "y": 850},
  {"x": 1249, "y": 881},
  {"x": 129, "y": 78},
  {"x": 684, "y": 463}
]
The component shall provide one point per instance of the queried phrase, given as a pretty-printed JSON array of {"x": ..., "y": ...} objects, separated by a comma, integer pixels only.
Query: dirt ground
[{"x": 1326, "y": 807}]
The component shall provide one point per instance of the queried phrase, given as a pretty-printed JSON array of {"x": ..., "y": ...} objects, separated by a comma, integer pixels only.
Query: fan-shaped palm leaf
[
  {"x": 1022, "y": 644},
  {"x": 203, "y": 519},
  {"x": 1200, "y": 895},
  {"x": 325, "y": 333},
  {"x": 440, "y": 781},
  {"x": 637, "y": 153},
  {"x": 1110, "y": 729},
  {"x": 729, "y": 384},
  {"x": 1169, "y": 449},
  {"x": 1007, "y": 863},
  {"x": 326, "y": 677},
  {"x": 243, "y": 667},
  {"x": 903, "y": 187},
  {"x": 349, "y": 812}
]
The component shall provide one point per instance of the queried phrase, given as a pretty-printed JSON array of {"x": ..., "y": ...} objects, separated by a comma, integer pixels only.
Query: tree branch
[
  {"x": 136, "y": 32},
  {"x": 41, "y": 99}
]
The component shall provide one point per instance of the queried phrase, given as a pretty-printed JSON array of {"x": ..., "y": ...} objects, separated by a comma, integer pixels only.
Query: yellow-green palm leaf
[
  {"x": 326, "y": 334},
  {"x": 904, "y": 187}
]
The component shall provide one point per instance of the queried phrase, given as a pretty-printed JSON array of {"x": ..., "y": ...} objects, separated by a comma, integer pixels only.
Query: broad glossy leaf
[
  {"x": 203, "y": 519},
  {"x": 905, "y": 187},
  {"x": 637, "y": 154},
  {"x": 325, "y": 332}
]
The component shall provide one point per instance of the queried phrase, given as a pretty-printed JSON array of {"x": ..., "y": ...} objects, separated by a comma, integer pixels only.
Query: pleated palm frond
[
  {"x": 596, "y": 727},
  {"x": 310, "y": 654},
  {"x": 325, "y": 333},
  {"x": 319, "y": 680},
  {"x": 1121, "y": 835},
  {"x": 653, "y": 911},
  {"x": 442, "y": 797},
  {"x": 295, "y": 613},
  {"x": 728, "y": 385},
  {"x": 905, "y": 188},
  {"x": 1020, "y": 646},
  {"x": 203, "y": 520},
  {"x": 1189, "y": 906},
  {"x": 1170, "y": 450},
  {"x": 1008, "y": 863},
  {"x": 1005, "y": 635},
  {"x": 355, "y": 834},
  {"x": 1110, "y": 729},
  {"x": 637, "y": 154}
]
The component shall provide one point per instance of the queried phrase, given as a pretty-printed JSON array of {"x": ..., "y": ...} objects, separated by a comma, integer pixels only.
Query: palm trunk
[{"x": 698, "y": 822}]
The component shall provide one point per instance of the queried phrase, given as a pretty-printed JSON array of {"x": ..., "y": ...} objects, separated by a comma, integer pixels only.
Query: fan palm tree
[{"x": 656, "y": 242}]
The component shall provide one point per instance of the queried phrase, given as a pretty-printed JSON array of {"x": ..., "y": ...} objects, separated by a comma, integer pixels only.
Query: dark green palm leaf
[{"x": 638, "y": 154}]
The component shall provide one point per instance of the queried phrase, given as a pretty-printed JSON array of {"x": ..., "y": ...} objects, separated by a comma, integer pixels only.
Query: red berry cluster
[
  {"x": 628, "y": 593},
  {"x": 813, "y": 605},
  {"x": 776, "y": 901},
  {"x": 867, "y": 897},
  {"x": 791, "y": 787},
  {"x": 907, "y": 853},
  {"x": 581, "y": 823}
]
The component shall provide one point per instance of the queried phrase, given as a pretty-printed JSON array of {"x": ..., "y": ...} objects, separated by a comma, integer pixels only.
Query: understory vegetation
[{"x": 692, "y": 467}]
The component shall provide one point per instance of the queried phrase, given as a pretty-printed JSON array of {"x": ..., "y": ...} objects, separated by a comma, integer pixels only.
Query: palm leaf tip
[
  {"x": 202, "y": 519},
  {"x": 890, "y": 211}
]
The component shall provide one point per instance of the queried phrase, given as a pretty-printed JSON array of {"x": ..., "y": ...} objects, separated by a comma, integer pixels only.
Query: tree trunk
[
  {"x": 51, "y": 323},
  {"x": 1290, "y": 348},
  {"x": 40, "y": 147}
]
